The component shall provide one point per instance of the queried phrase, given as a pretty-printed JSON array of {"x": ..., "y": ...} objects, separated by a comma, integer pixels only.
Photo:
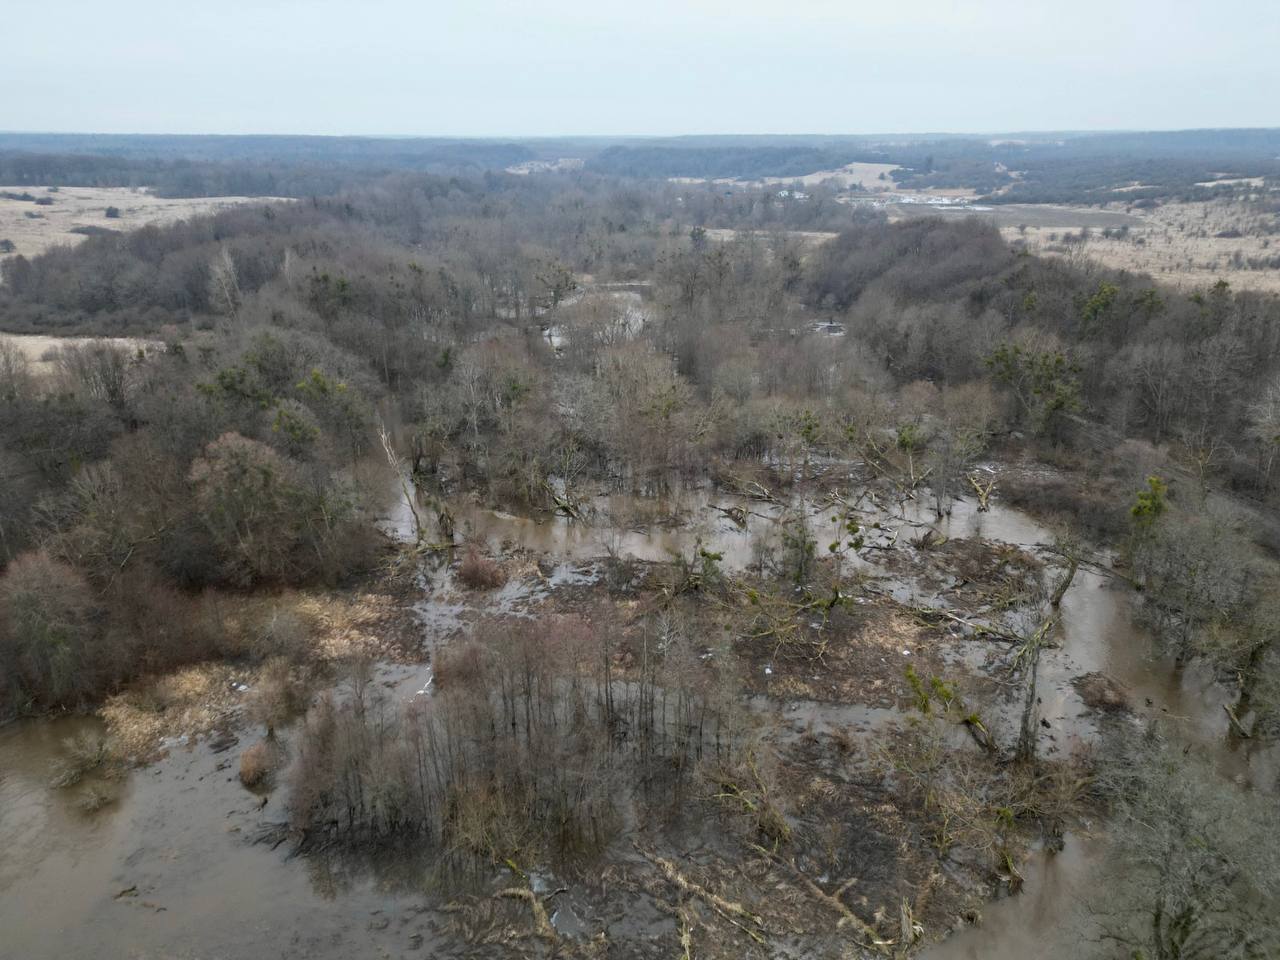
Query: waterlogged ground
[
  {"x": 173, "y": 864},
  {"x": 170, "y": 869},
  {"x": 1098, "y": 634}
]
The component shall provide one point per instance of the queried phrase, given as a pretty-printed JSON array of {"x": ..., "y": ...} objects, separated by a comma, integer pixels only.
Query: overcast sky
[{"x": 542, "y": 67}]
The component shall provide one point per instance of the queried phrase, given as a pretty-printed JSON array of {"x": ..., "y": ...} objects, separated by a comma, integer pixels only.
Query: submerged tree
[
  {"x": 1195, "y": 573},
  {"x": 1199, "y": 864}
]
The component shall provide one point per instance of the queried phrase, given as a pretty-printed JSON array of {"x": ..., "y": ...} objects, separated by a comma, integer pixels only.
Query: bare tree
[
  {"x": 15, "y": 373},
  {"x": 224, "y": 285},
  {"x": 1197, "y": 873},
  {"x": 1195, "y": 574}
]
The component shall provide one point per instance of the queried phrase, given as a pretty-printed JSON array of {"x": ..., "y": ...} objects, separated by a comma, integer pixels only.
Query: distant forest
[
  {"x": 1005, "y": 168},
  {"x": 207, "y": 166}
]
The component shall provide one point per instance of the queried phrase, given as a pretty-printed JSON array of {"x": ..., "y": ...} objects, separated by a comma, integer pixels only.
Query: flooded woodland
[
  {"x": 181, "y": 832},
  {"x": 512, "y": 566}
]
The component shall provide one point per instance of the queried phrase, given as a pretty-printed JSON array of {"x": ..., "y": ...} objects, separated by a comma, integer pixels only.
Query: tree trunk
[
  {"x": 1065, "y": 583},
  {"x": 1026, "y": 751}
]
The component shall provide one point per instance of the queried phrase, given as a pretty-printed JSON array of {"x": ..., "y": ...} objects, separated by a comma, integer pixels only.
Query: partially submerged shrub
[
  {"x": 479, "y": 572},
  {"x": 85, "y": 752},
  {"x": 281, "y": 634},
  {"x": 96, "y": 796},
  {"x": 278, "y": 695},
  {"x": 526, "y": 750},
  {"x": 459, "y": 665},
  {"x": 259, "y": 761},
  {"x": 748, "y": 788}
]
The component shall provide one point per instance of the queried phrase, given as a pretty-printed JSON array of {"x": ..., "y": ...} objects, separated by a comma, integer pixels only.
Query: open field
[
  {"x": 1187, "y": 245},
  {"x": 1178, "y": 243},
  {"x": 1013, "y": 216},
  {"x": 33, "y": 228},
  {"x": 875, "y": 178},
  {"x": 851, "y": 175},
  {"x": 804, "y": 236},
  {"x": 869, "y": 175},
  {"x": 39, "y": 349}
]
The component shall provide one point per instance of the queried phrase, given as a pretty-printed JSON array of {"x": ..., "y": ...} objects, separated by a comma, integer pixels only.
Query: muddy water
[
  {"x": 1046, "y": 920},
  {"x": 169, "y": 869},
  {"x": 1097, "y": 634},
  {"x": 679, "y": 522},
  {"x": 647, "y": 530}
]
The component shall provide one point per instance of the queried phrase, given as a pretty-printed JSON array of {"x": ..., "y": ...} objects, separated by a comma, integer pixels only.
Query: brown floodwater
[
  {"x": 170, "y": 869},
  {"x": 1047, "y": 919}
]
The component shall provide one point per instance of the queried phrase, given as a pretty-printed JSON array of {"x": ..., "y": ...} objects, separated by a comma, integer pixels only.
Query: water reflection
[{"x": 170, "y": 870}]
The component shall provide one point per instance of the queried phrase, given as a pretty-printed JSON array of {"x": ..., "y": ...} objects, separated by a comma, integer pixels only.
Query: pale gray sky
[{"x": 542, "y": 67}]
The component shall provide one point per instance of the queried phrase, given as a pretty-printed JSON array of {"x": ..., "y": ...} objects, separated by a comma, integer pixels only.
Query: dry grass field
[
  {"x": 813, "y": 237},
  {"x": 850, "y": 175},
  {"x": 40, "y": 349},
  {"x": 847, "y": 177},
  {"x": 33, "y": 228},
  {"x": 1186, "y": 245}
]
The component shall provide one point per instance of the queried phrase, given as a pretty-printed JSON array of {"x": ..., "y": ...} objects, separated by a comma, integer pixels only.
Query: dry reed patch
[
  {"x": 185, "y": 703},
  {"x": 41, "y": 349},
  {"x": 286, "y": 635},
  {"x": 313, "y": 627},
  {"x": 368, "y": 625}
]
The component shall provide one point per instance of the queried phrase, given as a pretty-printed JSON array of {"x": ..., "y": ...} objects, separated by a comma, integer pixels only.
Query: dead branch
[
  {"x": 754, "y": 491},
  {"x": 847, "y": 917},
  {"x": 737, "y": 514},
  {"x": 983, "y": 491},
  {"x": 979, "y": 629},
  {"x": 393, "y": 460},
  {"x": 686, "y": 936},
  {"x": 911, "y": 930},
  {"x": 1236, "y": 726},
  {"x": 735, "y": 913},
  {"x": 564, "y": 503},
  {"x": 541, "y": 924},
  {"x": 980, "y": 732},
  {"x": 1096, "y": 565}
]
